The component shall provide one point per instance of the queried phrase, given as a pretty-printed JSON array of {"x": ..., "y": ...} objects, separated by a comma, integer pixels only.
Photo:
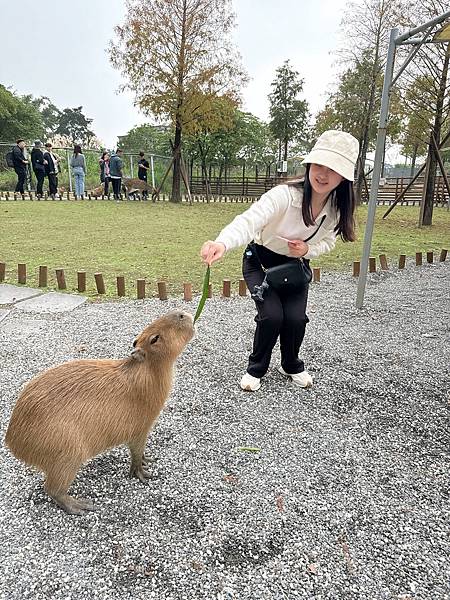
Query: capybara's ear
[{"x": 138, "y": 354}]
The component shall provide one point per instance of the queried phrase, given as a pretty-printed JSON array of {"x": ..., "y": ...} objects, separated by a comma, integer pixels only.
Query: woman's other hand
[
  {"x": 297, "y": 248},
  {"x": 212, "y": 251}
]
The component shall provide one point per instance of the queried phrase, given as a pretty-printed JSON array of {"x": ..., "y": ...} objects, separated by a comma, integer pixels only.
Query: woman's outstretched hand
[{"x": 212, "y": 251}]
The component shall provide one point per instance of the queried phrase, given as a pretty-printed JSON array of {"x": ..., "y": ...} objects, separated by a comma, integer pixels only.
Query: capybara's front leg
[
  {"x": 138, "y": 459},
  {"x": 57, "y": 482}
]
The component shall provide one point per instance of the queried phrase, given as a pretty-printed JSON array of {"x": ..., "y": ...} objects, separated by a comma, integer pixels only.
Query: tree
[
  {"x": 366, "y": 28},
  {"x": 51, "y": 115},
  {"x": 289, "y": 115},
  {"x": 75, "y": 126},
  {"x": 19, "y": 117},
  {"x": 176, "y": 55},
  {"x": 153, "y": 139}
]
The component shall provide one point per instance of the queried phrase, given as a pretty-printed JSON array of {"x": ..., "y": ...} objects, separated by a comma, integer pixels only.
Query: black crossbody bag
[{"x": 290, "y": 277}]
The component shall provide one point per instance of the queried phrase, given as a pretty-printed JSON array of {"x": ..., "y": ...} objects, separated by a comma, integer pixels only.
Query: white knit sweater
[{"x": 279, "y": 213}]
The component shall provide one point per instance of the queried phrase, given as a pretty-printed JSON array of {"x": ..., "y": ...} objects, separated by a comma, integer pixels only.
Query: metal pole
[
  {"x": 381, "y": 140},
  {"x": 153, "y": 170},
  {"x": 131, "y": 165},
  {"x": 69, "y": 170},
  {"x": 413, "y": 32}
]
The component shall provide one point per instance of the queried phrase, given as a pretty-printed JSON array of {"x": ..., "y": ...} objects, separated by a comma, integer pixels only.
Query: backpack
[{"x": 9, "y": 159}]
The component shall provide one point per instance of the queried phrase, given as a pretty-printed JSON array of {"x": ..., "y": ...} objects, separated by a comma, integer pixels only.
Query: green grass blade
[{"x": 201, "y": 304}]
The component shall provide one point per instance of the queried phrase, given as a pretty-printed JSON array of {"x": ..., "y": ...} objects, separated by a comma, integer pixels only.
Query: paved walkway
[{"x": 32, "y": 300}]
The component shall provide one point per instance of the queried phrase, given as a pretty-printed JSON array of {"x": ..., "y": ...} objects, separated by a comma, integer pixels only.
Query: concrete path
[{"x": 33, "y": 300}]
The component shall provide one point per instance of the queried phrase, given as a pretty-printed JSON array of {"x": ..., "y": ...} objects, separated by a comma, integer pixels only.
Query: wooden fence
[{"x": 142, "y": 286}]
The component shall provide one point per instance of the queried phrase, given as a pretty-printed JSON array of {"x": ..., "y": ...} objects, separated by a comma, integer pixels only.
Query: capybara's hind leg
[
  {"x": 57, "y": 482},
  {"x": 138, "y": 459}
]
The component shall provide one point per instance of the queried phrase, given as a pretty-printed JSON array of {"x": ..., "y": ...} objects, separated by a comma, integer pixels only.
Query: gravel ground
[{"x": 346, "y": 497}]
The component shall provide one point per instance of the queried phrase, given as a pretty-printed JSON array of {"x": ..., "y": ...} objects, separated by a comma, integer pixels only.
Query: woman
[
  {"x": 104, "y": 171},
  {"x": 318, "y": 208},
  {"x": 78, "y": 165}
]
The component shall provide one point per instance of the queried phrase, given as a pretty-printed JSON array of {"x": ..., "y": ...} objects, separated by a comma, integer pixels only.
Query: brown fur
[
  {"x": 133, "y": 185},
  {"x": 72, "y": 412},
  {"x": 98, "y": 191}
]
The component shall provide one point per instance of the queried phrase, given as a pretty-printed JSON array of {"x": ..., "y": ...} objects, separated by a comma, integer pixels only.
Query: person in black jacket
[
  {"x": 20, "y": 165},
  {"x": 143, "y": 167},
  {"x": 38, "y": 163},
  {"x": 51, "y": 169}
]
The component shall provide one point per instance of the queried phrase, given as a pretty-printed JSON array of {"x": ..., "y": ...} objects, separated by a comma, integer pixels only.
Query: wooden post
[
  {"x": 430, "y": 257},
  {"x": 210, "y": 290},
  {"x": 99, "y": 283},
  {"x": 61, "y": 279},
  {"x": 372, "y": 265},
  {"x": 43, "y": 276},
  {"x": 22, "y": 273},
  {"x": 2, "y": 271},
  {"x": 316, "y": 274},
  {"x": 81, "y": 281},
  {"x": 402, "y": 261},
  {"x": 356, "y": 268},
  {"x": 226, "y": 290},
  {"x": 162, "y": 290},
  {"x": 140, "y": 284},
  {"x": 187, "y": 291},
  {"x": 120, "y": 285},
  {"x": 442, "y": 257},
  {"x": 383, "y": 262},
  {"x": 242, "y": 287},
  {"x": 418, "y": 259}
]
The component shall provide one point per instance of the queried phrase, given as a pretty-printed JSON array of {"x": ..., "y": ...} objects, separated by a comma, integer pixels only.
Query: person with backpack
[
  {"x": 51, "y": 169},
  {"x": 20, "y": 164},
  {"x": 116, "y": 172},
  {"x": 289, "y": 225},
  {"x": 78, "y": 166},
  {"x": 38, "y": 163}
]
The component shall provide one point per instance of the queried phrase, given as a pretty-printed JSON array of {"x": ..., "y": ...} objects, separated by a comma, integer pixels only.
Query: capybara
[
  {"x": 72, "y": 412},
  {"x": 134, "y": 185}
]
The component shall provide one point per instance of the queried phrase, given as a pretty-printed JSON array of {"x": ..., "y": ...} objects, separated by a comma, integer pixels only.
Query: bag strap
[{"x": 320, "y": 225}]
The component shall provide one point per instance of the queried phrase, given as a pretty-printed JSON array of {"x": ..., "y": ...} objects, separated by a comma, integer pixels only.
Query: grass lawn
[{"x": 162, "y": 241}]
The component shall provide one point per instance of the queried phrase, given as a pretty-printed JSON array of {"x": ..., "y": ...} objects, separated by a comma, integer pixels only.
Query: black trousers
[
  {"x": 105, "y": 182},
  {"x": 21, "y": 177},
  {"x": 279, "y": 315},
  {"x": 116, "y": 185},
  {"x": 52, "y": 184},
  {"x": 40, "y": 176}
]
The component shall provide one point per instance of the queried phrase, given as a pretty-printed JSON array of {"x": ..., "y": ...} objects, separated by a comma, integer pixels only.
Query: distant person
[
  {"x": 20, "y": 164},
  {"x": 51, "y": 169},
  {"x": 38, "y": 163},
  {"x": 143, "y": 168},
  {"x": 116, "y": 172},
  {"x": 78, "y": 165},
  {"x": 104, "y": 170}
]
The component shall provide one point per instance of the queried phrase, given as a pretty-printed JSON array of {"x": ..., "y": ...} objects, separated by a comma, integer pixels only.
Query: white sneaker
[
  {"x": 302, "y": 379},
  {"x": 250, "y": 383}
]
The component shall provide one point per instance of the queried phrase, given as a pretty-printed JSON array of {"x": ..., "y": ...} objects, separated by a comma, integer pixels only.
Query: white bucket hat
[{"x": 336, "y": 150}]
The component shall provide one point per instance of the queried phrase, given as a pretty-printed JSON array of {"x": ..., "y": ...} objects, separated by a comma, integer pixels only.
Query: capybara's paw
[
  {"x": 139, "y": 472},
  {"x": 147, "y": 459},
  {"x": 75, "y": 506}
]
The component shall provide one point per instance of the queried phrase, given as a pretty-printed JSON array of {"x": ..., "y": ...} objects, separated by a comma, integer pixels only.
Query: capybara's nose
[{"x": 185, "y": 315}]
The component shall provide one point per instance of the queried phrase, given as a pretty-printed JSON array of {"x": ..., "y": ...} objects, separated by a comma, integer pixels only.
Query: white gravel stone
[{"x": 347, "y": 497}]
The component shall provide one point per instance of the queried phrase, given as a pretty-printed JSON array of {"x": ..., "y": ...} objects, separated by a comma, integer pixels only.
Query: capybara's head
[{"x": 165, "y": 338}]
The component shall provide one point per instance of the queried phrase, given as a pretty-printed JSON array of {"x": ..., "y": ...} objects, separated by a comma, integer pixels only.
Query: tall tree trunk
[
  {"x": 426, "y": 208},
  {"x": 176, "y": 178}
]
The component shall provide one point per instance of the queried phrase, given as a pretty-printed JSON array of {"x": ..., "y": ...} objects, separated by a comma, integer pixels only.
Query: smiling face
[{"x": 323, "y": 180}]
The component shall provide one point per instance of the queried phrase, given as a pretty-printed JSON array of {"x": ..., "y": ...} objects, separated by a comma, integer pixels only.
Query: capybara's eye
[{"x": 154, "y": 339}]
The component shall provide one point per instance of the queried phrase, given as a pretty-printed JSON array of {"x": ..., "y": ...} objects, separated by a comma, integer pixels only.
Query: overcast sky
[{"x": 58, "y": 49}]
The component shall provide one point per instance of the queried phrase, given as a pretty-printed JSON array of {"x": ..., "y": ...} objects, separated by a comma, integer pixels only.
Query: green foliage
[
  {"x": 73, "y": 124},
  {"x": 19, "y": 117},
  {"x": 289, "y": 115},
  {"x": 152, "y": 139}
]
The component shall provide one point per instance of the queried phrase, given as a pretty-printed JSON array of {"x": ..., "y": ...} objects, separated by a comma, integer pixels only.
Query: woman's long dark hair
[
  {"x": 342, "y": 200},
  {"x": 77, "y": 149}
]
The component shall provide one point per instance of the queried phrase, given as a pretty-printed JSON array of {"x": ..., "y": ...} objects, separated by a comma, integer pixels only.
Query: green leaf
[{"x": 201, "y": 304}]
